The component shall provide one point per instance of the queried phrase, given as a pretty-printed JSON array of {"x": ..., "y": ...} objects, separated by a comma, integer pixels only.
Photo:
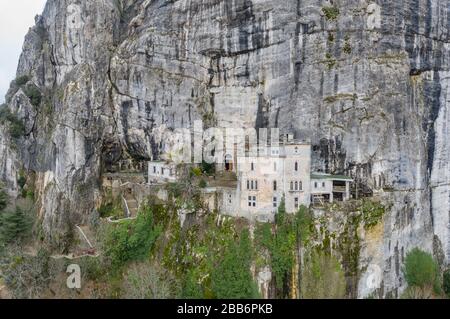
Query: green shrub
[
  {"x": 202, "y": 184},
  {"x": 372, "y": 213},
  {"x": 347, "y": 48},
  {"x": 191, "y": 288},
  {"x": 330, "y": 37},
  {"x": 34, "y": 94},
  {"x": 331, "y": 12},
  {"x": 4, "y": 199},
  {"x": 196, "y": 171},
  {"x": 208, "y": 169},
  {"x": 330, "y": 61},
  {"x": 111, "y": 206},
  {"x": 446, "y": 282},
  {"x": 421, "y": 270},
  {"x": 22, "y": 80},
  {"x": 175, "y": 189},
  {"x": 16, "y": 126},
  {"x": 92, "y": 268},
  {"x": 21, "y": 181}
]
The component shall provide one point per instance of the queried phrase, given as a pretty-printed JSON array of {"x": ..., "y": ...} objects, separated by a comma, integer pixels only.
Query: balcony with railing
[{"x": 339, "y": 189}]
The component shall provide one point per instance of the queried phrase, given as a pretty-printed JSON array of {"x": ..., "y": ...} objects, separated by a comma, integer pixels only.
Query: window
[
  {"x": 296, "y": 203},
  {"x": 252, "y": 185},
  {"x": 275, "y": 202},
  {"x": 162, "y": 170},
  {"x": 275, "y": 186},
  {"x": 300, "y": 186},
  {"x": 275, "y": 166},
  {"x": 292, "y": 186},
  {"x": 296, "y": 166},
  {"x": 229, "y": 198},
  {"x": 315, "y": 184},
  {"x": 252, "y": 201},
  {"x": 253, "y": 166},
  {"x": 296, "y": 186},
  {"x": 323, "y": 184},
  {"x": 296, "y": 150},
  {"x": 154, "y": 169}
]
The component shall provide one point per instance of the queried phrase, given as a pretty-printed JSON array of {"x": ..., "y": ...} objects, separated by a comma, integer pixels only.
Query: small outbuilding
[{"x": 327, "y": 188}]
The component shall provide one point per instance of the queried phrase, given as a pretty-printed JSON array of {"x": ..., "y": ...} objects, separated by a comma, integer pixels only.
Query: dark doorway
[{"x": 229, "y": 163}]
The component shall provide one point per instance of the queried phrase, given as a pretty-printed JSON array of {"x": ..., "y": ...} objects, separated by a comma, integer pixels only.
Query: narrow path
[{"x": 84, "y": 236}]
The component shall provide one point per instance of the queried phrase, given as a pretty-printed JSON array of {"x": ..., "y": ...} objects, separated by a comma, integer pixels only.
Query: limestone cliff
[{"x": 366, "y": 81}]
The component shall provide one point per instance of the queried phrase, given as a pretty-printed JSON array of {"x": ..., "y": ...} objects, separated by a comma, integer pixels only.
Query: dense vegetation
[
  {"x": 206, "y": 256},
  {"x": 446, "y": 282},
  {"x": 232, "y": 277},
  {"x": 131, "y": 240}
]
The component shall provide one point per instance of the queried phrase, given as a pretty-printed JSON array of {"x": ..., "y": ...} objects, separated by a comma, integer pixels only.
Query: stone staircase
[{"x": 131, "y": 205}]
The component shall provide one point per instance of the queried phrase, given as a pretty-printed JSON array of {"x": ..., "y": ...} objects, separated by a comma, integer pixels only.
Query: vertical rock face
[{"x": 366, "y": 81}]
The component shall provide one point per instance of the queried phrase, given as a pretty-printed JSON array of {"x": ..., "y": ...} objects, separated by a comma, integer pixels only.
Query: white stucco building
[
  {"x": 161, "y": 172},
  {"x": 326, "y": 188}
]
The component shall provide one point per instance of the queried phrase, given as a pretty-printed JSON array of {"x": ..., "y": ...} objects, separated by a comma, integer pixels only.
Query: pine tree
[
  {"x": 3, "y": 199},
  {"x": 14, "y": 225},
  {"x": 232, "y": 279}
]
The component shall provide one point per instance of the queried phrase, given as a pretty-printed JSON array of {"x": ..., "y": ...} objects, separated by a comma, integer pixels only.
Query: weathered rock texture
[{"x": 367, "y": 83}]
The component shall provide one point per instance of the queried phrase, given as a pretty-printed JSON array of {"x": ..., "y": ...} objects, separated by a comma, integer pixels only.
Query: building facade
[
  {"x": 264, "y": 179},
  {"x": 161, "y": 172},
  {"x": 326, "y": 188}
]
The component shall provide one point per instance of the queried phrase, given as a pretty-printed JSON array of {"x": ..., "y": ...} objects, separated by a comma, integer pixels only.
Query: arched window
[
  {"x": 292, "y": 186},
  {"x": 301, "y": 185},
  {"x": 296, "y": 166},
  {"x": 296, "y": 186}
]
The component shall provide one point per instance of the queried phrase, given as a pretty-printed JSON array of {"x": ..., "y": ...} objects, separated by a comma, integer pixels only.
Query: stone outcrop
[{"x": 366, "y": 81}]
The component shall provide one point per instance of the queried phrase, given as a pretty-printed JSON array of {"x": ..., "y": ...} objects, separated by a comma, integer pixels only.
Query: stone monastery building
[{"x": 261, "y": 181}]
